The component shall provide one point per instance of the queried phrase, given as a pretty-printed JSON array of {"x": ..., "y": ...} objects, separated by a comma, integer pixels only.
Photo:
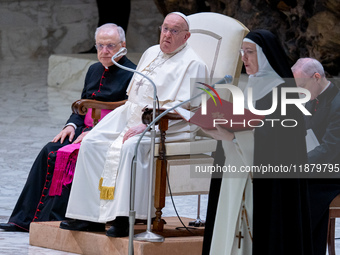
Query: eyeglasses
[
  {"x": 110, "y": 46},
  {"x": 247, "y": 52},
  {"x": 165, "y": 29}
]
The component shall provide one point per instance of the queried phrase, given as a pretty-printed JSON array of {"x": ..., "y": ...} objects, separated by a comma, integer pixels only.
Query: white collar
[
  {"x": 264, "y": 80},
  {"x": 329, "y": 83},
  {"x": 174, "y": 52}
]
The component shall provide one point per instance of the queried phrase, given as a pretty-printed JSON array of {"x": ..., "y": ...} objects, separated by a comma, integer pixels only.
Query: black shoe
[
  {"x": 10, "y": 227},
  {"x": 118, "y": 231},
  {"x": 82, "y": 225},
  {"x": 119, "y": 228}
]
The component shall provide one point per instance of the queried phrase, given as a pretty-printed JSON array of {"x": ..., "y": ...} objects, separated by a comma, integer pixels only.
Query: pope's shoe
[
  {"x": 82, "y": 225},
  {"x": 119, "y": 228}
]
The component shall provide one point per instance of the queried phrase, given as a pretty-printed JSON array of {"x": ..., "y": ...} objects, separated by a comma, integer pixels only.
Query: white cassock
[
  {"x": 235, "y": 204},
  {"x": 101, "y": 185}
]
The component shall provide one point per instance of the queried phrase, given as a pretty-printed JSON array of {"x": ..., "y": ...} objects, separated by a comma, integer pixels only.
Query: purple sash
[
  {"x": 65, "y": 163},
  {"x": 64, "y": 168}
]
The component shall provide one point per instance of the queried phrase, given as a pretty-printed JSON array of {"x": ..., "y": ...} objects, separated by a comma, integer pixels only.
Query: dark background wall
[
  {"x": 306, "y": 28},
  {"x": 32, "y": 29}
]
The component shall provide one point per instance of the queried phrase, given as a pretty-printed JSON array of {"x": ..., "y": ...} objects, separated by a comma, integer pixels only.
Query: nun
[{"x": 256, "y": 213}]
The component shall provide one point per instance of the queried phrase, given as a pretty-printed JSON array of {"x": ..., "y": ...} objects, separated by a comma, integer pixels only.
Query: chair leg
[
  {"x": 160, "y": 190},
  {"x": 160, "y": 179},
  {"x": 331, "y": 236}
]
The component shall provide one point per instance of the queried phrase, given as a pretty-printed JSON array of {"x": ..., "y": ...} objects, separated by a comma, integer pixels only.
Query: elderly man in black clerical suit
[
  {"x": 104, "y": 82},
  {"x": 325, "y": 124}
]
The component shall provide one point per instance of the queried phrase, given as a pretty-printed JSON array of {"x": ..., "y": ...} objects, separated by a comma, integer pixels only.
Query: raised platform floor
[
  {"x": 33, "y": 112},
  {"x": 177, "y": 241}
]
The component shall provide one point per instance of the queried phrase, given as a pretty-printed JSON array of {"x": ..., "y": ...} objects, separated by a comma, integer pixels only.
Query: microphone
[
  {"x": 122, "y": 51},
  {"x": 225, "y": 80}
]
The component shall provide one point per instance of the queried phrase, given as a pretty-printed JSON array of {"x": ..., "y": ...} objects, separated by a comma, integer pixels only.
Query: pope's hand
[
  {"x": 220, "y": 133},
  {"x": 81, "y": 137},
  {"x": 67, "y": 131},
  {"x": 134, "y": 131}
]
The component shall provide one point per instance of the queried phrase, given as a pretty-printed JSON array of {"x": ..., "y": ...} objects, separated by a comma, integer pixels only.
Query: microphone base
[{"x": 148, "y": 236}]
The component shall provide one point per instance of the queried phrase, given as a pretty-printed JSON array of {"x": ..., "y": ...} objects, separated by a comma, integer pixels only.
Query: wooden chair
[
  {"x": 334, "y": 212},
  {"x": 216, "y": 38}
]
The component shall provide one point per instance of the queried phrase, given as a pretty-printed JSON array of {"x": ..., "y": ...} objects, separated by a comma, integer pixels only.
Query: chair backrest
[{"x": 217, "y": 38}]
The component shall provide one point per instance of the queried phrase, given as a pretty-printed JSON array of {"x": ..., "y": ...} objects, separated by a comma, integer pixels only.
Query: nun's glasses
[{"x": 247, "y": 52}]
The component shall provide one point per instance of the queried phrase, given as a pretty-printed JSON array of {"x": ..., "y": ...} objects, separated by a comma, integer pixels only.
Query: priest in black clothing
[
  {"x": 103, "y": 82},
  {"x": 324, "y": 105},
  {"x": 270, "y": 215}
]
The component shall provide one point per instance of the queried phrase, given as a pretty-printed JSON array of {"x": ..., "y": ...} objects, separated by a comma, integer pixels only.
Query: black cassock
[
  {"x": 281, "y": 212},
  {"x": 325, "y": 123},
  {"x": 34, "y": 203}
]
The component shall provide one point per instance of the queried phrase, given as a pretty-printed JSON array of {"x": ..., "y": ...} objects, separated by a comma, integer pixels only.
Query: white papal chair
[{"x": 216, "y": 38}]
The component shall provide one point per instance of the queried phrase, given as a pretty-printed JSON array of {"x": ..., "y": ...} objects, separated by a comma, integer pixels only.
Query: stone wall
[
  {"x": 144, "y": 21},
  {"x": 39, "y": 28}
]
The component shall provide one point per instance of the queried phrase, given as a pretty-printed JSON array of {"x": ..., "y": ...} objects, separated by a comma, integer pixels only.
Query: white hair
[
  {"x": 309, "y": 66},
  {"x": 120, "y": 30}
]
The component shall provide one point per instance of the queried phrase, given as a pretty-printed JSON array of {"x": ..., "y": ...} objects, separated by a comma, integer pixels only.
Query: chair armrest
[
  {"x": 80, "y": 106},
  {"x": 163, "y": 126},
  {"x": 147, "y": 115}
]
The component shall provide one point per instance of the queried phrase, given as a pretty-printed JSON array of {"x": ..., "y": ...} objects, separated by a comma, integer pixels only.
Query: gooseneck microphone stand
[{"x": 148, "y": 235}]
